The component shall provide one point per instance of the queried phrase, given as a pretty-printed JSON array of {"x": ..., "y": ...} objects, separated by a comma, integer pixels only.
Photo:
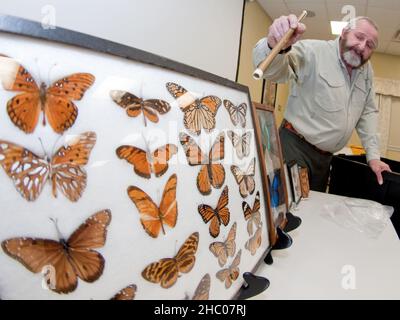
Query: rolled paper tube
[{"x": 258, "y": 73}]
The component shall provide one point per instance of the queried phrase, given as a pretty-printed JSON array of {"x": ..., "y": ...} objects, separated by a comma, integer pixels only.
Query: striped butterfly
[
  {"x": 240, "y": 143},
  {"x": 134, "y": 105},
  {"x": 230, "y": 274},
  {"x": 166, "y": 271},
  {"x": 245, "y": 179},
  {"x": 252, "y": 215},
  {"x": 219, "y": 215},
  {"x": 237, "y": 113},
  {"x": 223, "y": 250},
  {"x": 198, "y": 113},
  {"x": 254, "y": 242}
]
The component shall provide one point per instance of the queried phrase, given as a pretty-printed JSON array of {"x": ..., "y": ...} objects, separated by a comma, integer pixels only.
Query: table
[{"x": 328, "y": 261}]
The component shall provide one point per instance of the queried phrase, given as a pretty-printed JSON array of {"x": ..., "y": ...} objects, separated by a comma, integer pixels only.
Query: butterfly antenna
[
  {"x": 48, "y": 73},
  {"x": 43, "y": 149},
  {"x": 54, "y": 145},
  {"x": 59, "y": 235}
]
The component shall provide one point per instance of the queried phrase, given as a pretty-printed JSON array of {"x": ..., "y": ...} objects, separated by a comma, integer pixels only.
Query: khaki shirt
[{"x": 325, "y": 104}]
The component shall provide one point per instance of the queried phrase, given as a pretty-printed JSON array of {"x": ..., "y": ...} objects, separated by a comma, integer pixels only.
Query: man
[{"x": 331, "y": 93}]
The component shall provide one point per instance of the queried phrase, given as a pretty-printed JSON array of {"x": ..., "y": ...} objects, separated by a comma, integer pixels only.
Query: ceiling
[{"x": 386, "y": 13}]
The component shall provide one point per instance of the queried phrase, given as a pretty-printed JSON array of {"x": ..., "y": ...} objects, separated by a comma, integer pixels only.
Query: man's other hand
[{"x": 378, "y": 167}]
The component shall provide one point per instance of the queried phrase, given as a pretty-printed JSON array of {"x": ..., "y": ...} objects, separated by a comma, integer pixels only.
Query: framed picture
[
  {"x": 295, "y": 179},
  {"x": 269, "y": 93},
  {"x": 124, "y": 174},
  {"x": 274, "y": 163},
  {"x": 304, "y": 182},
  {"x": 288, "y": 186}
]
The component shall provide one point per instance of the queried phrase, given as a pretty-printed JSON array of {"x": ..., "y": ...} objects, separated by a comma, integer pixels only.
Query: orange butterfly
[
  {"x": 203, "y": 289},
  {"x": 252, "y": 216},
  {"x": 254, "y": 242},
  {"x": 218, "y": 215},
  {"x": 151, "y": 216},
  {"x": 245, "y": 180},
  {"x": 128, "y": 293},
  {"x": 135, "y": 105},
  {"x": 55, "y": 102},
  {"x": 230, "y": 274},
  {"x": 144, "y": 163},
  {"x": 237, "y": 113},
  {"x": 166, "y": 271},
  {"x": 211, "y": 174},
  {"x": 70, "y": 259},
  {"x": 30, "y": 172},
  {"x": 223, "y": 250},
  {"x": 199, "y": 113}
]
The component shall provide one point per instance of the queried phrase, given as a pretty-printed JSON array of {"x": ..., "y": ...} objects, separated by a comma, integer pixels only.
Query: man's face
[{"x": 357, "y": 44}]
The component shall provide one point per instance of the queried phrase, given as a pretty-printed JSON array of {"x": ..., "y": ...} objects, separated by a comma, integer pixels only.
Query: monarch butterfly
[
  {"x": 29, "y": 172},
  {"x": 252, "y": 215},
  {"x": 203, "y": 289},
  {"x": 55, "y": 101},
  {"x": 151, "y": 216},
  {"x": 222, "y": 250},
  {"x": 127, "y": 293},
  {"x": 134, "y": 105},
  {"x": 166, "y": 271},
  {"x": 254, "y": 242},
  {"x": 218, "y": 215},
  {"x": 198, "y": 113},
  {"x": 144, "y": 162},
  {"x": 245, "y": 180},
  {"x": 70, "y": 259},
  {"x": 211, "y": 173},
  {"x": 240, "y": 143},
  {"x": 237, "y": 113},
  {"x": 230, "y": 274}
]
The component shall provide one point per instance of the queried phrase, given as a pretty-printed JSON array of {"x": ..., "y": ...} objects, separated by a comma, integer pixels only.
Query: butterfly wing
[
  {"x": 67, "y": 163},
  {"x": 164, "y": 271},
  {"x": 161, "y": 157},
  {"x": 92, "y": 234},
  {"x": 216, "y": 172},
  {"x": 203, "y": 289},
  {"x": 28, "y": 172},
  {"x": 203, "y": 180},
  {"x": 244, "y": 145},
  {"x": 168, "y": 205},
  {"x": 136, "y": 157},
  {"x": 224, "y": 276},
  {"x": 59, "y": 109},
  {"x": 230, "y": 241},
  {"x": 219, "y": 250},
  {"x": 193, "y": 152},
  {"x": 208, "y": 214},
  {"x": 152, "y": 106},
  {"x": 222, "y": 207},
  {"x": 241, "y": 114},
  {"x": 37, "y": 254},
  {"x": 254, "y": 242},
  {"x": 128, "y": 293},
  {"x": 131, "y": 103},
  {"x": 232, "y": 110},
  {"x": 148, "y": 211},
  {"x": 23, "y": 109},
  {"x": 185, "y": 258}
]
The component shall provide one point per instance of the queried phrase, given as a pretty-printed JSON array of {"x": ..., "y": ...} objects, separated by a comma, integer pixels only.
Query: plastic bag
[{"x": 366, "y": 216}]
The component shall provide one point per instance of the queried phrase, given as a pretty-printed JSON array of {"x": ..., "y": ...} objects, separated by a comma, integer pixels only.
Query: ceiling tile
[
  {"x": 385, "y": 4},
  {"x": 319, "y": 9},
  {"x": 385, "y": 18},
  {"x": 393, "y": 48},
  {"x": 274, "y": 8},
  {"x": 335, "y": 10}
]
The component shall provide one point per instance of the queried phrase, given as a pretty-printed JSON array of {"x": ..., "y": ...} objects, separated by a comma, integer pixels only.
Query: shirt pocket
[{"x": 330, "y": 91}]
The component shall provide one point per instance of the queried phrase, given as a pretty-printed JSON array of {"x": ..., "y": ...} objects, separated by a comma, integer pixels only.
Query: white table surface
[{"x": 324, "y": 256}]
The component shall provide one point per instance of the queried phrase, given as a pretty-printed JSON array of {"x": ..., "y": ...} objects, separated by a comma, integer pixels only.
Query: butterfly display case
[
  {"x": 123, "y": 174},
  {"x": 273, "y": 158}
]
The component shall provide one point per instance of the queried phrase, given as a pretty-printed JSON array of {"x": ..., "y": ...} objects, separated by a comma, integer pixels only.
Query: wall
[
  {"x": 386, "y": 66},
  {"x": 204, "y": 34},
  {"x": 255, "y": 26}
]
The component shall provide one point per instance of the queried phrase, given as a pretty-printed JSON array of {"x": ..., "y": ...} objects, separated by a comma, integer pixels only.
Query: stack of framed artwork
[{"x": 124, "y": 174}]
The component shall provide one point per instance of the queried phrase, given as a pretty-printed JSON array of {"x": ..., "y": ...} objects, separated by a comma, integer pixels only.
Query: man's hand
[
  {"x": 280, "y": 26},
  {"x": 377, "y": 167}
]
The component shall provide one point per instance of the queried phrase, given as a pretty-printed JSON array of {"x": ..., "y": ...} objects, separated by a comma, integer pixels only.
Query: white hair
[{"x": 352, "y": 23}]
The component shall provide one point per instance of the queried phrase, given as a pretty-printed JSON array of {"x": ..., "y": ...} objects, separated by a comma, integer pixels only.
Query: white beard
[{"x": 352, "y": 59}]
